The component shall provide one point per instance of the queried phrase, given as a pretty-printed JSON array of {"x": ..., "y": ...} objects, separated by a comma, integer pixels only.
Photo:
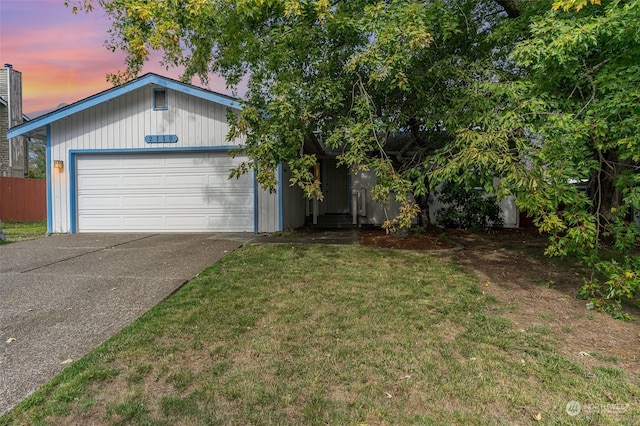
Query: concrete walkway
[
  {"x": 311, "y": 236},
  {"x": 63, "y": 295}
]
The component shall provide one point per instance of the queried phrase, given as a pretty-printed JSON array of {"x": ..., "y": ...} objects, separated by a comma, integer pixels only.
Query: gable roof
[{"x": 37, "y": 126}]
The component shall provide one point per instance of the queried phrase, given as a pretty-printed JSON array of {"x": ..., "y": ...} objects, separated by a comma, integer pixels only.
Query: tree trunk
[
  {"x": 602, "y": 189},
  {"x": 512, "y": 7},
  {"x": 424, "y": 219}
]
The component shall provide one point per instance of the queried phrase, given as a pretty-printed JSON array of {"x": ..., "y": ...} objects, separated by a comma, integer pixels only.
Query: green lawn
[
  {"x": 340, "y": 335},
  {"x": 21, "y": 231}
]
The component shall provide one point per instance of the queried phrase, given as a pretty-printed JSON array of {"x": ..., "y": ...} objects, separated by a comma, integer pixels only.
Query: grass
[
  {"x": 22, "y": 231},
  {"x": 313, "y": 334}
]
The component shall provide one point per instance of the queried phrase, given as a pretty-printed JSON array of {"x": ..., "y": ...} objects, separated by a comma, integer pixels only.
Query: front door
[{"x": 336, "y": 187}]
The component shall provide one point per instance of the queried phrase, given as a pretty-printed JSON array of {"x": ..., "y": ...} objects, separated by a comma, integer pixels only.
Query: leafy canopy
[{"x": 545, "y": 96}]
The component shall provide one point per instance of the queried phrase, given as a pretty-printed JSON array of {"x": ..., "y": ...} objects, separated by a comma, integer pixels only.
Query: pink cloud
[{"x": 62, "y": 56}]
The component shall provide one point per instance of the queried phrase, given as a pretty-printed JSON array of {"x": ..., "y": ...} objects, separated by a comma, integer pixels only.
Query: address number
[{"x": 161, "y": 138}]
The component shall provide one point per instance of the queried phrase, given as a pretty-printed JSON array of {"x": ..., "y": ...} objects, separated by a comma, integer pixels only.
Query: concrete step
[{"x": 334, "y": 221}]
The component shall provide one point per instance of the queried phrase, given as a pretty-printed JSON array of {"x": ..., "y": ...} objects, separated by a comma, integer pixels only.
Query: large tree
[
  {"x": 547, "y": 100},
  {"x": 352, "y": 73}
]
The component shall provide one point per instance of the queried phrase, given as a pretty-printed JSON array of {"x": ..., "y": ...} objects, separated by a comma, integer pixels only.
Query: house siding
[
  {"x": 268, "y": 211},
  {"x": 293, "y": 202},
  {"x": 122, "y": 124},
  {"x": 376, "y": 213}
]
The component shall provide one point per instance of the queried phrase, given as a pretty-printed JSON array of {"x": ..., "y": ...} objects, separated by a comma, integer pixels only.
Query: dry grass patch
[{"x": 310, "y": 334}]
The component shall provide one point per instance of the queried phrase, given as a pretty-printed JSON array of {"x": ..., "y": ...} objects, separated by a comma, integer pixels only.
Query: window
[{"x": 160, "y": 99}]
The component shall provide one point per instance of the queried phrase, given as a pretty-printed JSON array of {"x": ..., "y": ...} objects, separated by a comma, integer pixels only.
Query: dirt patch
[
  {"x": 433, "y": 239},
  {"x": 537, "y": 291}
]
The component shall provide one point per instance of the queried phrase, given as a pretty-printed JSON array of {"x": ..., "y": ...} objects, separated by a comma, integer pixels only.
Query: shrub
[{"x": 467, "y": 208}]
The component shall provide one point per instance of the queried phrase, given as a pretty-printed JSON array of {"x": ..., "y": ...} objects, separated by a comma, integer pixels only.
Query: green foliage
[
  {"x": 37, "y": 159},
  {"x": 614, "y": 284},
  {"x": 585, "y": 75},
  {"x": 547, "y": 100},
  {"x": 354, "y": 73},
  {"x": 565, "y": 138},
  {"x": 467, "y": 208}
]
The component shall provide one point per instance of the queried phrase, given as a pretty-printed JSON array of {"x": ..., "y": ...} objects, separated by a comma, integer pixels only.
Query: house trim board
[{"x": 48, "y": 180}]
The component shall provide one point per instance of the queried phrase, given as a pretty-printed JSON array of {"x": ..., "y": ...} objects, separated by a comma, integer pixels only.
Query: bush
[
  {"x": 467, "y": 208},
  {"x": 616, "y": 283}
]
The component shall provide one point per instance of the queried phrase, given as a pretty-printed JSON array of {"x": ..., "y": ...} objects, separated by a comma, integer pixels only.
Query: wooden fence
[{"x": 23, "y": 200}]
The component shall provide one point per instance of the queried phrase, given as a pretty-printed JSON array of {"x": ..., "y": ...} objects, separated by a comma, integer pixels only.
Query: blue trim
[
  {"x": 155, "y": 98},
  {"x": 161, "y": 138},
  {"x": 99, "y": 98},
  {"x": 73, "y": 202},
  {"x": 73, "y": 195},
  {"x": 48, "y": 175},
  {"x": 255, "y": 203},
  {"x": 126, "y": 150},
  {"x": 280, "y": 198}
]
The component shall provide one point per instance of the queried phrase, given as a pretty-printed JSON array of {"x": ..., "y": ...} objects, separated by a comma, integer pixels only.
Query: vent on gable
[{"x": 160, "y": 100}]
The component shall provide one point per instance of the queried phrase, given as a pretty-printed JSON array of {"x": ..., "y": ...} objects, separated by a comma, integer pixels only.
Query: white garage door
[{"x": 162, "y": 192}]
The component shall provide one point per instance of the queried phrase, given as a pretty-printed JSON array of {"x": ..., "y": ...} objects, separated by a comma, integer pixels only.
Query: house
[
  {"x": 14, "y": 158},
  {"x": 148, "y": 156},
  {"x": 151, "y": 155}
]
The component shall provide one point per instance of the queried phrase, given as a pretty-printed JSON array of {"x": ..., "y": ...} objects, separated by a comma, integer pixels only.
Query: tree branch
[{"x": 512, "y": 7}]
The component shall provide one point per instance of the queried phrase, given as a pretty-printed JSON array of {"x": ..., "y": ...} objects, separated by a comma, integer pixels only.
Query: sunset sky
[{"x": 62, "y": 56}]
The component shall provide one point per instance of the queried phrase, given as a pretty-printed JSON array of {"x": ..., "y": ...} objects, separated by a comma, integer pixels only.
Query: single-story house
[{"x": 151, "y": 155}]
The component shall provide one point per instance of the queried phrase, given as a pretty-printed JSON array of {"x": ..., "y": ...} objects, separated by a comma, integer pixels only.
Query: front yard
[{"x": 316, "y": 334}]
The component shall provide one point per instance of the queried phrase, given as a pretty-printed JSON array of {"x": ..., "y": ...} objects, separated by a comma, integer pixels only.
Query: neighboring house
[
  {"x": 14, "y": 157},
  {"x": 151, "y": 156}
]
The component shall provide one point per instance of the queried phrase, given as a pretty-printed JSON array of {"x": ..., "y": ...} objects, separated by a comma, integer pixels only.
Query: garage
[
  {"x": 152, "y": 155},
  {"x": 162, "y": 192}
]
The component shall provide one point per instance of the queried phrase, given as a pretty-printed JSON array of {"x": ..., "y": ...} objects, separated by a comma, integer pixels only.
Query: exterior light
[{"x": 58, "y": 164}]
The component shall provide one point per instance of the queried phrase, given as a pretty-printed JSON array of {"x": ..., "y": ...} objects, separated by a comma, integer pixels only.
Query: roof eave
[{"x": 37, "y": 126}]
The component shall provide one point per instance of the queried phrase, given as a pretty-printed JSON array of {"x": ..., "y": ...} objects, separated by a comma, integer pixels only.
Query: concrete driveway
[{"x": 63, "y": 295}]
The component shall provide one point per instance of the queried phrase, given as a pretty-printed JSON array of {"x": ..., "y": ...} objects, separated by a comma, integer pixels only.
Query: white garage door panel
[
  {"x": 185, "y": 181},
  {"x": 162, "y": 192},
  {"x": 99, "y": 181},
  {"x": 142, "y": 163},
  {"x": 142, "y": 181},
  {"x": 143, "y": 202}
]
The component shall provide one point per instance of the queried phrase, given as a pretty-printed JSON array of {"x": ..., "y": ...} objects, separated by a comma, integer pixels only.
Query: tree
[
  {"x": 566, "y": 139},
  {"x": 37, "y": 159},
  {"x": 585, "y": 73},
  {"x": 544, "y": 99},
  {"x": 355, "y": 73}
]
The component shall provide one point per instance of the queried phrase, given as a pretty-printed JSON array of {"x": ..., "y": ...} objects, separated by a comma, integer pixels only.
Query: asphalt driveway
[{"x": 63, "y": 295}]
